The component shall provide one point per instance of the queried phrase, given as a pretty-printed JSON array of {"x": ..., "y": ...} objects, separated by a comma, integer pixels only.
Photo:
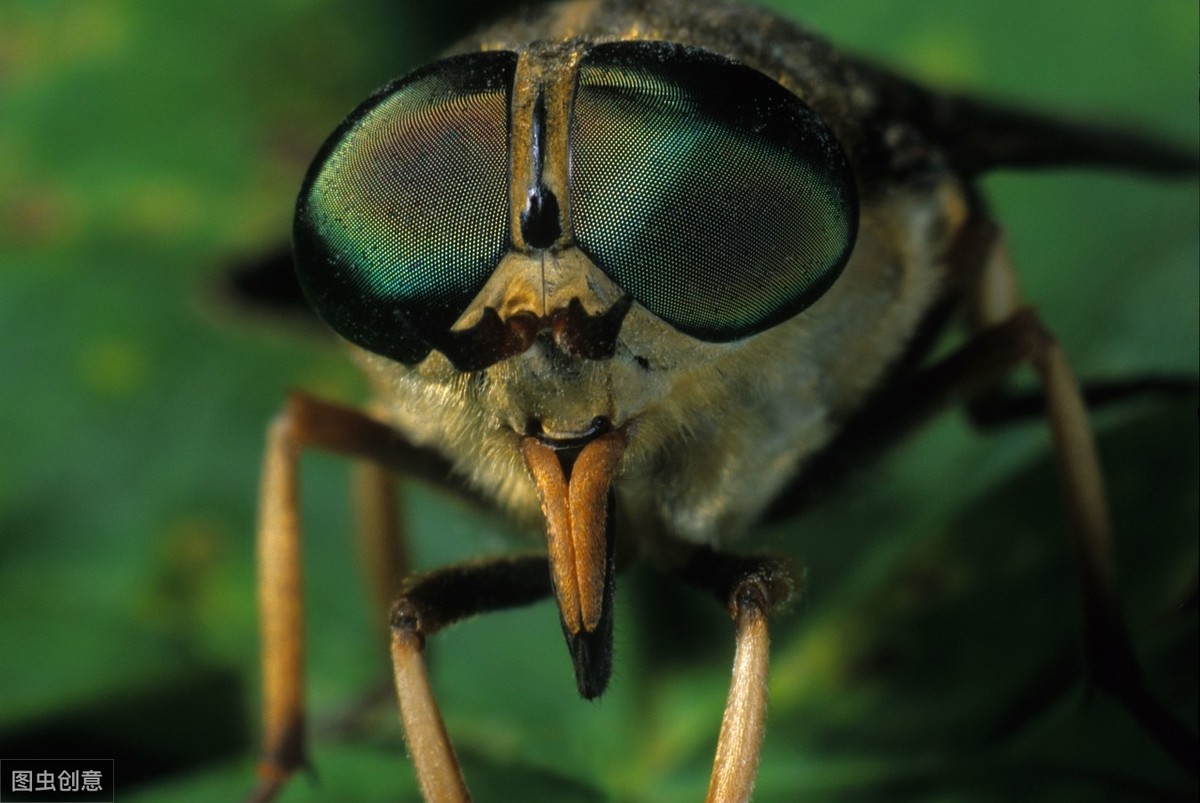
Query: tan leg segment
[
  {"x": 281, "y": 612},
  {"x": 996, "y": 300},
  {"x": 745, "y": 718},
  {"x": 309, "y": 423},
  {"x": 433, "y": 756},
  {"x": 383, "y": 550},
  {"x": 751, "y": 587},
  {"x": 426, "y": 605},
  {"x": 1111, "y": 660}
]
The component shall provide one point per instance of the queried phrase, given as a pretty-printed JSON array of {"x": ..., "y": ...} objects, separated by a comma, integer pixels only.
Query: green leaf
[{"x": 147, "y": 147}]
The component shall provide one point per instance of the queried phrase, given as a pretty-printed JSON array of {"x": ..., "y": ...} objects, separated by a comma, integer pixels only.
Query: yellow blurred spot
[
  {"x": 93, "y": 30},
  {"x": 37, "y": 214},
  {"x": 194, "y": 544},
  {"x": 112, "y": 368},
  {"x": 41, "y": 40},
  {"x": 190, "y": 555},
  {"x": 334, "y": 377},
  {"x": 816, "y": 662},
  {"x": 943, "y": 56},
  {"x": 161, "y": 209}
]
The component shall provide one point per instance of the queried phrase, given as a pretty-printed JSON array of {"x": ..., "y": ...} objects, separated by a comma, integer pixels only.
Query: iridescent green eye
[
  {"x": 404, "y": 213},
  {"x": 714, "y": 196}
]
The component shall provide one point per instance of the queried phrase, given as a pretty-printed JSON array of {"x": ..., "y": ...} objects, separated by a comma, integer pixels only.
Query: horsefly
[{"x": 641, "y": 276}]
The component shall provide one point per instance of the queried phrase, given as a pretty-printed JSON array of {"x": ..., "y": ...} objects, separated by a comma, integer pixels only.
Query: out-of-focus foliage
[{"x": 147, "y": 147}]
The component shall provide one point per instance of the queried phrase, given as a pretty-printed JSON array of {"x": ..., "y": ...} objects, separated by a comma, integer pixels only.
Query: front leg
[
  {"x": 426, "y": 605},
  {"x": 281, "y": 612},
  {"x": 305, "y": 423},
  {"x": 751, "y": 588}
]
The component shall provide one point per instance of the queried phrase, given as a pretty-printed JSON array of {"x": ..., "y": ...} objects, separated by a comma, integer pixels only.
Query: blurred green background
[{"x": 147, "y": 148}]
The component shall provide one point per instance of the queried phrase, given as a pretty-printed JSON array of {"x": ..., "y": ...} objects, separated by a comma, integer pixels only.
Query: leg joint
[
  {"x": 759, "y": 581},
  {"x": 408, "y": 617},
  {"x": 768, "y": 586}
]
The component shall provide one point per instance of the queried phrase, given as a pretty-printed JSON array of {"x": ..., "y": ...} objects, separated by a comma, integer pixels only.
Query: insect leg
[
  {"x": 993, "y": 301},
  {"x": 306, "y": 422},
  {"x": 1005, "y": 337},
  {"x": 383, "y": 550},
  {"x": 384, "y": 561},
  {"x": 427, "y": 604},
  {"x": 897, "y": 412},
  {"x": 1008, "y": 407},
  {"x": 752, "y": 588},
  {"x": 281, "y": 612}
]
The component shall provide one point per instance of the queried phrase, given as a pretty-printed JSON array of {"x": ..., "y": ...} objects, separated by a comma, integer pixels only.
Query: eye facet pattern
[
  {"x": 713, "y": 195},
  {"x": 404, "y": 213}
]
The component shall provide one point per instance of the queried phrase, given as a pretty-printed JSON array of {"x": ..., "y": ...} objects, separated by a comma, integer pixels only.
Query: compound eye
[
  {"x": 710, "y": 193},
  {"x": 404, "y": 212}
]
